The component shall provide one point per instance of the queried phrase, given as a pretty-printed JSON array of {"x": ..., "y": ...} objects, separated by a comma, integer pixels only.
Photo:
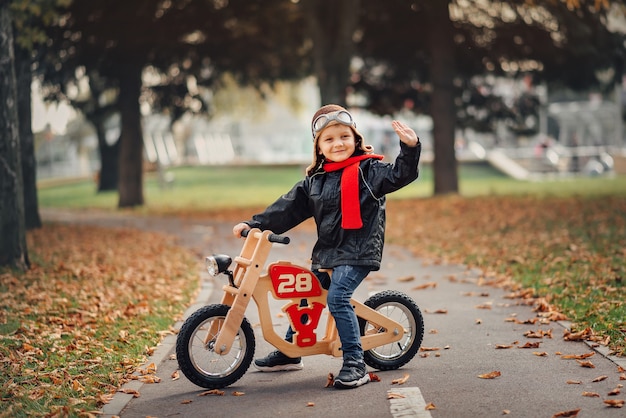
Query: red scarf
[{"x": 350, "y": 202}]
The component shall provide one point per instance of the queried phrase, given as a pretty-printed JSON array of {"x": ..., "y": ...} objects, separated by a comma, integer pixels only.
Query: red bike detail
[
  {"x": 304, "y": 320},
  {"x": 290, "y": 282}
]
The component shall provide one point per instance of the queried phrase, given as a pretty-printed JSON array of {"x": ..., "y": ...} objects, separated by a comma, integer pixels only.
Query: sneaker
[
  {"x": 352, "y": 375},
  {"x": 277, "y": 361}
]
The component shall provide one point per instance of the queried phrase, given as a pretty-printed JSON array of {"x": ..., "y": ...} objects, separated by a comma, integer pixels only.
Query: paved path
[{"x": 463, "y": 340}]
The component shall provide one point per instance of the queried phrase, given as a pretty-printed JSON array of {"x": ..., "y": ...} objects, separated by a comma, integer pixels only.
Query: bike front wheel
[
  {"x": 402, "y": 309},
  {"x": 195, "y": 349}
]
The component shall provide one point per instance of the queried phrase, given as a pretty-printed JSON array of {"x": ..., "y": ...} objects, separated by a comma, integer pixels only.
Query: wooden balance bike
[{"x": 215, "y": 345}]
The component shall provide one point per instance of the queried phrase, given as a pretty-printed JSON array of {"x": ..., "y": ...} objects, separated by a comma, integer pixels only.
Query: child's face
[{"x": 337, "y": 143}]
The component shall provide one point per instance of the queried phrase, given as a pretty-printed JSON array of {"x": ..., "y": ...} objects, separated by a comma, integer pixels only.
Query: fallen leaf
[
  {"x": 400, "y": 381},
  {"x": 430, "y": 406},
  {"x": 600, "y": 379},
  {"x": 186, "y": 401},
  {"x": 438, "y": 311},
  {"x": 425, "y": 286},
  {"x": 491, "y": 375},
  {"x": 429, "y": 348},
  {"x": 530, "y": 345},
  {"x": 330, "y": 380},
  {"x": 614, "y": 403},
  {"x": 591, "y": 394},
  {"x": 392, "y": 395},
  {"x": 406, "y": 279},
  {"x": 310, "y": 404},
  {"x": 175, "y": 375},
  {"x": 150, "y": 379},
  {"x": 574, "y": 382},
  {"x": 577, "y": 356},
  {"x": 538, "y": 334},
  {"x": 577, "y": 336},
  {"x": 487, "y": 305},
  {"x": 614, "y": 392},
  {"x": 237, "y": 393},
  {"x": 503, "y": 346},
  {"x": 572, "y": 413},
  {"x": 506, "y": 412},
  {"x": 212, "y": 392},
  {"x": 130, "y": 392},
  {"x": 540, "y": 354},
  {"x": 586, "y": 363}
]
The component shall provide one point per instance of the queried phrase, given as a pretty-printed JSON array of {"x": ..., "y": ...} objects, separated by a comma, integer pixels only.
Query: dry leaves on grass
[
  {"x": 82, "y": 319},
  {"x": 569, "y": 250}
]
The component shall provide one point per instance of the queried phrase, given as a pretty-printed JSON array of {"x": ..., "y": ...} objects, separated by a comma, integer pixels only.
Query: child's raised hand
[{"x": 406, "y": 134}]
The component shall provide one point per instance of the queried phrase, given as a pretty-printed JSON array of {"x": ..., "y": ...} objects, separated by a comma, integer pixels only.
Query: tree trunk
[
  {"x": 131, "y": 138},
  {"x": 331, "y": 27},
  {"x": 13, "y": 251},
  {"x": 442, "y": 70},
  {"x": 109, "y": 161},
  {"x": 23, "y": 76}
]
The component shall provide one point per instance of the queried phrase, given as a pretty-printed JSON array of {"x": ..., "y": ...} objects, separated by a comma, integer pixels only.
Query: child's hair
[{"x": 318, "y": 158}]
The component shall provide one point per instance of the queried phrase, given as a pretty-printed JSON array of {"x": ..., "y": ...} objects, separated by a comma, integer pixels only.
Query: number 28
[{"x": 290, "y": 283}]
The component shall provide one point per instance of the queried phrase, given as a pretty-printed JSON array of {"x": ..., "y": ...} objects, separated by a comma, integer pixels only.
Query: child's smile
[{"x": 337, "y": 143}]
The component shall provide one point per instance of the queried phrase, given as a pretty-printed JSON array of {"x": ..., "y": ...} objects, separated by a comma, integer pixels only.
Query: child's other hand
[
  {"x": 406, "y": 134},
  {"x": 239, "y": 228}
]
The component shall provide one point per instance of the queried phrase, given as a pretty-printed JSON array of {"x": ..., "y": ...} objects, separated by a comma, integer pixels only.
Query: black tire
[
  {"x": 200, "y": 363},
  {"x": 402, "y": 309}
]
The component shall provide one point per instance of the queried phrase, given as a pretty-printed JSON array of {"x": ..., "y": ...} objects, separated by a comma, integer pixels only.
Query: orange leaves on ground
[
  {"x": 540, "y": 333},
  {"x": 578, "y": 356},
  {"x": 573, "y": 246},
  {"x": 83, "y": 305},
  {"x": 128, "y": 391},
  {"x": 437, "y": 311},
  {"x": 490, "y": 375},
  {"x": 430, "y": 406},
  {"x": 429, "y": 285},
  {"x": 563, "y": 414},
  {"x": 614, "y": 403},
  {"x": 530, "y": 345},
  {"x": 400, "y": 381},
  {"x": 330, "y": 380},
  {"x": 215, "y": 392},
  {"x": 586, "y": 363},
  {"x": 577, "y": 336}
]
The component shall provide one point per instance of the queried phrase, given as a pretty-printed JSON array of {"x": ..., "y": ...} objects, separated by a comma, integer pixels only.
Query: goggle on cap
[{"x": 332, "y": 114}]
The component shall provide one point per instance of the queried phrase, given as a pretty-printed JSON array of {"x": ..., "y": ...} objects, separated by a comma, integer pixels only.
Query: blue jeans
[{"x": 344, "y": 282}]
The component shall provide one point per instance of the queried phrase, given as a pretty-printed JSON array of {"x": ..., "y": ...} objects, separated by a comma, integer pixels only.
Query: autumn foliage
[
  {"x": 79, "y": 323},
  {"x": 565, "y": 253}
]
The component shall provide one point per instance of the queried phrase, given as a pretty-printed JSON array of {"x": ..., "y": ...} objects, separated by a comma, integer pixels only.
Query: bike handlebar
[{"x": 280, "y": 239}]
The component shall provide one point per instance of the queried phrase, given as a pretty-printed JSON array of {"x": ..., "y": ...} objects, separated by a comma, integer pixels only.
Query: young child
[{"x": 344, "y": 191}]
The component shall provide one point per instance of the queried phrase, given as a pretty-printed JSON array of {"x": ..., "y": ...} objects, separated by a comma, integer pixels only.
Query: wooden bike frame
[{"x": 294, "y": 284}]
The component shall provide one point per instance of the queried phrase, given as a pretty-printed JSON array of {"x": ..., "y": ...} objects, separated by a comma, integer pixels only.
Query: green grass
[{"x": 201, "y": 188}]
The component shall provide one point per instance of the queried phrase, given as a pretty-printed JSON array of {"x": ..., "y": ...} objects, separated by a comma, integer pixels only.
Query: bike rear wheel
[
  {"x": 402, "y": 309},
  {"x": 195, "y": 351}
]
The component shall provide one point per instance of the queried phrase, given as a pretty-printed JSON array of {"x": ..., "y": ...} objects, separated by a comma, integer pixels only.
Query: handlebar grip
[{"x": 280, "y": 239}]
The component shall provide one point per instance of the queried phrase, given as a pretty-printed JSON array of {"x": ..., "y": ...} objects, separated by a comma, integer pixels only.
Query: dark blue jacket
[{"x": 319, "y": 196}]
